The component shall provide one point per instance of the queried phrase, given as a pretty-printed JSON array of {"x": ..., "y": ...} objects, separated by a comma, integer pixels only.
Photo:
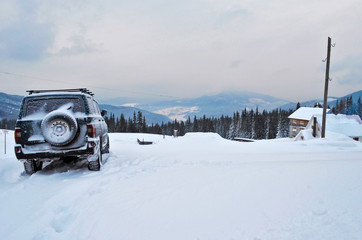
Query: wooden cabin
[
  {"x": 348, "y": 125},
  {"x": 299, "y": 119}
]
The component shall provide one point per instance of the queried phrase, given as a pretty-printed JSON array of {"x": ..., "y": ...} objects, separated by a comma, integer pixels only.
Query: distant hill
[
  {"x": 354, "y": 95},
  {"x": 225, "y": 103},
  {"x": 331, "y": 101},
  {"x": 309, "y": 103},
  {"x": 9, "y": 105},
  {"x": 128, "y": 113}
]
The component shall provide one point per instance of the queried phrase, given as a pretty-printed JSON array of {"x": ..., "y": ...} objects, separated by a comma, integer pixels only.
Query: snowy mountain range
[
  {"x": 128, "y": 113},
  {"x": 310, "y": 103},
  {"x": 226, "y": 104},
  {"x": 331, "y": 101}
]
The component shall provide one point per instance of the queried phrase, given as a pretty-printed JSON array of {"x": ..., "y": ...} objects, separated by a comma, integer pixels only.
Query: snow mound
[
  {"x": 199, "y": 186},
  {"x": 331, "y": 139},
  {"x": 209, "y": 136},
  {"x": 10, "y": 168}
]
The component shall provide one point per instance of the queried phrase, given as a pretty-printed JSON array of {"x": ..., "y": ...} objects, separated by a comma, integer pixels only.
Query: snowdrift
[{"x": 199, "y": 186}]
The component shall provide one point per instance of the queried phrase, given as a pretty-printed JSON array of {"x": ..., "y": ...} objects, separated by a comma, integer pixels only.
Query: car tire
[
  {"x": 106, "y": 149},
  {"x": 96, "y": 165},
  {"x": 59, "y": 128}
]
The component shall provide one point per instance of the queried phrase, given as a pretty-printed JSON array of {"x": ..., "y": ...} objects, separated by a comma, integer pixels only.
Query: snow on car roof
[
  {"x": 82, "y": 90},
  {"x": 56, "y": 93}
]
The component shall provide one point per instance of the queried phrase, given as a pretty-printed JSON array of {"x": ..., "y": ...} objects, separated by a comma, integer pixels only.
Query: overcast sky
[{"x": 182, "y": 48}]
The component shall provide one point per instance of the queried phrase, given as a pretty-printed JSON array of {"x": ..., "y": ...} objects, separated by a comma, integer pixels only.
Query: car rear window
[{"x": 50, "y": 104}]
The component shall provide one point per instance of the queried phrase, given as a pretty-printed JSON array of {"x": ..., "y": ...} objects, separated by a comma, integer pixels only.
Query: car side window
[
  {"x": 96, "y": 107},
  {"x": 91, "y": 106}
]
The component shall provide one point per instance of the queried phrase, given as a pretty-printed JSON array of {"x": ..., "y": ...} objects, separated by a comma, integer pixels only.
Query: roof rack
[{"x": 82, "y": 90}]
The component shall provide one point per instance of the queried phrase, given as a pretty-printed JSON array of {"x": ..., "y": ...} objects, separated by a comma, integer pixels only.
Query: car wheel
[
  {"x": 96, "y": 165},
  {"x": 59, "y": 128},
  {"x": 106, "y": 148}
]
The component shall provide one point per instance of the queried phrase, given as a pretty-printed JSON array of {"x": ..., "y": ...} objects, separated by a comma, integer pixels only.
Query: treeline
[
  {"x": 7, "y": 124},
  {"x": 348, "y": 107},
  {"x": 252, "y": 124},
  {"x": 246, "y": 124}
]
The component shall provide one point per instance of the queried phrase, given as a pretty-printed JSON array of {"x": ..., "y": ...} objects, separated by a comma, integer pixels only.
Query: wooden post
[
  {"x": 5, "y": 132},
  {"x": 325, "y": 103},
  {"x": 314, "y": 126}
]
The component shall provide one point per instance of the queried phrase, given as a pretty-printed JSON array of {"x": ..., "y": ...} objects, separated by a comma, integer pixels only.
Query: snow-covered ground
[{"x": 199, "y": 186}]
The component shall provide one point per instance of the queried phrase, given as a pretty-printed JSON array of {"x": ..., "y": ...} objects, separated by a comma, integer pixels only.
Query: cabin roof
[{"x": 305, "y": 113}]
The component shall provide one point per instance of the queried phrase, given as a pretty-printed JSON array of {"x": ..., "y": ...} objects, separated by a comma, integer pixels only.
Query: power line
[{"x": 90, "y": 85}]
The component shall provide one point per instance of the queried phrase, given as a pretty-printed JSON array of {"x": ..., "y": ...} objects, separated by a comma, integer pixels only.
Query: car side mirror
[{"x": 103, "y": 112}]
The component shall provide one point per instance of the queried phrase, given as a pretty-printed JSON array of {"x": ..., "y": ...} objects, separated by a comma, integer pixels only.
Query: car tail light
[
  {"x": 18, "y": 149},
  {"x": 17, "y": 135},
  {"x": 91, "y": 144},
  {"x": 91, "y": 131}
]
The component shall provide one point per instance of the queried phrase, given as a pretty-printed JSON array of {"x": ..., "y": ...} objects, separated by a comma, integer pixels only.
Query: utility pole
[{"x": 325, "y": 103}]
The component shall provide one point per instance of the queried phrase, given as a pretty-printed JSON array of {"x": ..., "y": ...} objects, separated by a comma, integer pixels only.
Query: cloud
[
  {"x": 348, "y": 71},
  {"x": 25, "y": 38},
  {"x": 271, "y": 47},
  {"x": 230, "y": 15},
  {"x": 353, "y": 77},
  {"x": 236, "y": 63},
  {"x": 350, "y": 76},
  {"x": 78, "y": 45},
  {"x": 25, "y": 41}
]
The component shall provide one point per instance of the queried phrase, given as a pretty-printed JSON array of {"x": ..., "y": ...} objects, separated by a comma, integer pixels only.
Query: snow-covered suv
[{"x": 60, "y": 125}]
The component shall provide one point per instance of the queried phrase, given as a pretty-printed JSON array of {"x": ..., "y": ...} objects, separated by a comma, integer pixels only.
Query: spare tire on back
[{"x": 59, "y": 127}]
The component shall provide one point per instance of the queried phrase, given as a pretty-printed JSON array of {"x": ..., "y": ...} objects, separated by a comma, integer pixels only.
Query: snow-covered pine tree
[
  {"x": 283, "y": 124},
  {"x": 273, "y": 124}
]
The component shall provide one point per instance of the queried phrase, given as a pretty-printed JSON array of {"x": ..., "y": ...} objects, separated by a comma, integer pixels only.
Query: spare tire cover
[{"x": 59, "y": 127}]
